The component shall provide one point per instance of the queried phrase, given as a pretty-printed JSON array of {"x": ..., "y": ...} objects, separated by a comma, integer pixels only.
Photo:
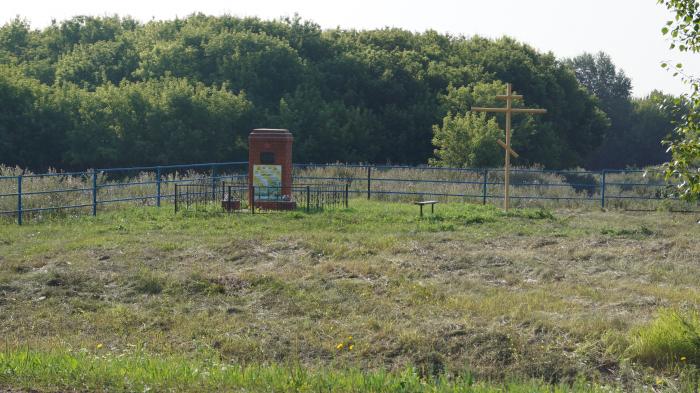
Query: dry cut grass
[{"x": 553, "y": 296}]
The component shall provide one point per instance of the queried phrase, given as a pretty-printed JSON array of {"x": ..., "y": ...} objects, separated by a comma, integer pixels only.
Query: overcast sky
[{"x": 628, "y": 30}]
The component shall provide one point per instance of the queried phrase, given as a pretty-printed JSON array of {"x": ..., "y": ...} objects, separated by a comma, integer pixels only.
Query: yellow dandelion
[
  {"x": 339, "y": 346},
  {"x": 659, "y": 381},
  {"x": 99, "y": 346},
  {"x": 682, "y": 358},
  {"x": 350, "y": 347},
  {"x": 349, "y": 337}
]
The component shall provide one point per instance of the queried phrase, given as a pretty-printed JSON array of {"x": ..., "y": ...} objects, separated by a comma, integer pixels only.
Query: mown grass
[{"x": 555, "y": 297}]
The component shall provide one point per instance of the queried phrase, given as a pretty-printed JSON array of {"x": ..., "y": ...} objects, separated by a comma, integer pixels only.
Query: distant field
[{"x": 370, "y": 298}]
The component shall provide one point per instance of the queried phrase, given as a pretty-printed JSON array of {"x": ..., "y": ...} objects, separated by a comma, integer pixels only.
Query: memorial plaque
[{"x": 267, "y": 180}]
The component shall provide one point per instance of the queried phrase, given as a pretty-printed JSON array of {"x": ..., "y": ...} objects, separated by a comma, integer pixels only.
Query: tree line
[{"x": 112, "y": 91}]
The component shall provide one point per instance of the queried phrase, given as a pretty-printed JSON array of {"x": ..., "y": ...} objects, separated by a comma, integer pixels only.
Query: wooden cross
[{"x": 508, "y": 110}]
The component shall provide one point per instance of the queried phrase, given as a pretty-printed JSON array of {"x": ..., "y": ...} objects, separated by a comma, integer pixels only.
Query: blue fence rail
[
  {"x": 25, "y": 195},
  {"x": 90, "y": 190}
]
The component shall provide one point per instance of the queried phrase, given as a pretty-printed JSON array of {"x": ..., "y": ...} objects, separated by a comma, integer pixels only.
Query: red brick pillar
[{"x": 269, "y": 162}]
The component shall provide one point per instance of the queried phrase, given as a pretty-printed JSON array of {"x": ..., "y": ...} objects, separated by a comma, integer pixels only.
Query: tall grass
[
  {"x": 530, "y": 187},
  {"x": 56, "y": 193},
  {"x": 81, "y": 371},
  {"x": 673, "y": 338},
  {"x": 43, "y": 193}
]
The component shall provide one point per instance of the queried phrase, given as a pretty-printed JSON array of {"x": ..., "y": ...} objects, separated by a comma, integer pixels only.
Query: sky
[{"x": 628, "y": 30}]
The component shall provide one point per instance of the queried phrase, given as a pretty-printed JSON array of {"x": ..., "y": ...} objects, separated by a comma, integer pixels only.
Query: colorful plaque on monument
[{"x": 267, "y": 180}]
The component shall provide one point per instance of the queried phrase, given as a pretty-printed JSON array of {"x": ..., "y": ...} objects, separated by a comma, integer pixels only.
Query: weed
[
  {"x": 148, "y": 282},
  {"x": 670, "y": 339}
]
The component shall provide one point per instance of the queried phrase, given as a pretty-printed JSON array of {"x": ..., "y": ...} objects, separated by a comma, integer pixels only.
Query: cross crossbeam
[
  {"x": 508, "y": 149},
  {"x": 509, "y": 110},
  {"x": 512, "y": 110}
]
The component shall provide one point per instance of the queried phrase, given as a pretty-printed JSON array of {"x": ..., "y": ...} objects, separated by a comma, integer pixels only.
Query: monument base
[
  {"x": 275, "y": 205},
  {"x": 231, "y": 205}
]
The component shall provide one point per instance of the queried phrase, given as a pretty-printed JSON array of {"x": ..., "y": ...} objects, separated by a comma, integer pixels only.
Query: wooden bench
[{"x": 423, "y": 203}]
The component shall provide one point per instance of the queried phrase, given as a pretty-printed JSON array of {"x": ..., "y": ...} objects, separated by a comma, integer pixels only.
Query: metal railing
[
  {"x": 24, "y": 195},
  {"x": 626, "y": 189},
  {"x": 240, "y": 197}
]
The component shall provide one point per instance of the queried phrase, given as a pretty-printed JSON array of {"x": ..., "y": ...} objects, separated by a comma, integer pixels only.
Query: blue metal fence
[{"x": 90, "y": 190}]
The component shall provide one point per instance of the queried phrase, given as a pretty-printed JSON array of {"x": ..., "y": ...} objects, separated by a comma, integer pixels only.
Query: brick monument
[{"x": 270, "y": 169}]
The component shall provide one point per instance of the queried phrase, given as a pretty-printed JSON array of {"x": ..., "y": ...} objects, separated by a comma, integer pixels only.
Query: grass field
[{"x": 370, "y": 298}]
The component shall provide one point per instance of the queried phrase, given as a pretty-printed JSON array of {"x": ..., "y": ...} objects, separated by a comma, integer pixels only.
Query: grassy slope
[{"x": 521, "y": 296}]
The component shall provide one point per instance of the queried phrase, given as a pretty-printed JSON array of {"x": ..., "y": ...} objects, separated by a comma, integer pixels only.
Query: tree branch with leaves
[{"x": 684, "y": 31}]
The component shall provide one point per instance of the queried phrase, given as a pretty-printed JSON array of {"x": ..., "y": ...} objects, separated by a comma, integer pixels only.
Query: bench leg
[{"x": 432, "y": 208}]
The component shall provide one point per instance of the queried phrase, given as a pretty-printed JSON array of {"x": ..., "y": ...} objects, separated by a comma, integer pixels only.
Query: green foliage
[
  {"x": 639, "y": 143},
  {"x": 32, "y": 121},
  {"x": 613, "y": 89},
  {"x": 159, "y": 121},
  {"x": 93, "y": 65},
  {"x": 610, "y": 85},
  {"x": 672, "y": 338},
  {"x": 111, "y": 90},
  {"x": 684, "y": 167},
  {"x": 467, "y": 140}
]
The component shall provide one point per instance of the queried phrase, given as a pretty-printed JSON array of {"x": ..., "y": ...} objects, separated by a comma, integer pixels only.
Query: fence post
[
  {"x": 175, "y": 197},
  {"x": 19, "y": 200},
  {"x": 602, "y": 190},
  {"x": 369, "y": 181},
  {"x": 213, "y": 182},
  {"x": 94, "y": 192},
  {"x": 308, "y": 199},
  {"x": 252, "y": 200},
  {"x": 486, "y": 178},
  {"x": 228, "y": 201},
  {"x": 347, "y": 194},
  {"x": 158, "y": 186}
]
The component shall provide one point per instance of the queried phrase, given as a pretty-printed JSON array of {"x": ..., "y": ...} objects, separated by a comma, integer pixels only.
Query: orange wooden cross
[{"x": 508, "y": 110}]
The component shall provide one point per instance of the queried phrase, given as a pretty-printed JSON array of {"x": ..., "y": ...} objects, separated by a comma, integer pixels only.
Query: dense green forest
[{"x": 110, "y": 91}]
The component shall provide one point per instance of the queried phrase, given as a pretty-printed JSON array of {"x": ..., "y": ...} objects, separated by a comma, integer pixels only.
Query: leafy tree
[
  {"x": 574, "y": 124},
  {"x": 613, "y": 89},
  {"x": 652, "y": 122},
  {"x": 14, "y": 39},
  {"x": 31, "y": 124},
  {"x": 92, "y": 65},
  {"x": 600, "y": 76},
  {"x": 685, "y": 150},
  {"x": 467, "y": 140},
  {"x": 155, "y": 122},
  {"x": 264, "y": 66}
]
